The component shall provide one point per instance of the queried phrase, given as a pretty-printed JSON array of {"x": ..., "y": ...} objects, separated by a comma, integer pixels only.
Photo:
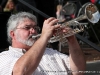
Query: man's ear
[{"x": 12, "y": 34}]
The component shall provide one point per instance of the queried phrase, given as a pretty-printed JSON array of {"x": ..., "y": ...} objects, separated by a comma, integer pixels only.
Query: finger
[
  {"x": 57, "y": 26},
  {"x": 53, "y": 22},
  {"x": 49, "y": 20},
  {"x": 67, "y": 29}
]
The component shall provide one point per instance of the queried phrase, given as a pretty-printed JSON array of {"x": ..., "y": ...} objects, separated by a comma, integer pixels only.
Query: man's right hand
[{"x": 49, "y": 26}]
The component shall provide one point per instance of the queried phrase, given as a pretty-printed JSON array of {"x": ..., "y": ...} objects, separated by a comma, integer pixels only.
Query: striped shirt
[{"x": 52, "y": 62}]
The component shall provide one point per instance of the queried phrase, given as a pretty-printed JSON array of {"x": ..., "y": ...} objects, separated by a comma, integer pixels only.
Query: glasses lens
[{"x": 37, "y": 28}]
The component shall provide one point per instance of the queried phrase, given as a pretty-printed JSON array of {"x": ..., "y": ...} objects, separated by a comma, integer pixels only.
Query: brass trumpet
[{"x": 90, "y": 12}]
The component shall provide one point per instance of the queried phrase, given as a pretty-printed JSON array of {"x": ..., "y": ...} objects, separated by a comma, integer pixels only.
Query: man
[{"x": 27, "y": 56}]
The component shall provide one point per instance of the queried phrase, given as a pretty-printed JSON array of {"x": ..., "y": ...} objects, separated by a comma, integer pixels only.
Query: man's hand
[{"x": 49, "y": 26}]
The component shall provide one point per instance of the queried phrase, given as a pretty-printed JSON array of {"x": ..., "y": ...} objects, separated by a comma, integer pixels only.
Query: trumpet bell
[{"x": 92, "y": 13}]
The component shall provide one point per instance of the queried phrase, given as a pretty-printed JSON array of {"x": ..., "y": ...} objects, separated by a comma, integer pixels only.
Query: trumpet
[{"x": 90, "y": 12}]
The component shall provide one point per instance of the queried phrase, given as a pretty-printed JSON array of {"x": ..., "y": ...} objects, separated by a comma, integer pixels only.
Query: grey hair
[{"x": 14, "y": 21}]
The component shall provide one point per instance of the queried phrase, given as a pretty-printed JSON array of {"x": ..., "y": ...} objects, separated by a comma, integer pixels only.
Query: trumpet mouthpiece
[{"x": 36, "y": 36}]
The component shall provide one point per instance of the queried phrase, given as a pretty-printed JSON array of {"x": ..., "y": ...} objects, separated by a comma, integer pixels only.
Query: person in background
[
  {"x": 30, "y": 56},
  {"x": 10, "y": 7},
  {"x": 58, "y": 13}
]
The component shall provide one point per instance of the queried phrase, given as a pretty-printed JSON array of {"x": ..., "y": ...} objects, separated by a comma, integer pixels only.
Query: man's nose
[{"x": 32, "y": 30}]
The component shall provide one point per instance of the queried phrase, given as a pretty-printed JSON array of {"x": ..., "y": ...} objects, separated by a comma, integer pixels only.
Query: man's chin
[{"x": 30, "y": 42}]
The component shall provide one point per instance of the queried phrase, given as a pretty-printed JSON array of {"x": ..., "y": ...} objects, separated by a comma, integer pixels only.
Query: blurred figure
[
  {"x": 58, "y": 13},
  {"x": 10, "y": 7}
]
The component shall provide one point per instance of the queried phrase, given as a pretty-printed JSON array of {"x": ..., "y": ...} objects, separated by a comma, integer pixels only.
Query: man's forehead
[{"x": 27, "y": 22}]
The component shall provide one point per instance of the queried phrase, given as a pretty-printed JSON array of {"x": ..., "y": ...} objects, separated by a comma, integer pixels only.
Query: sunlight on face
[
  {"x": 25, "y": 31},
  {"x": 28, "y": 41}
]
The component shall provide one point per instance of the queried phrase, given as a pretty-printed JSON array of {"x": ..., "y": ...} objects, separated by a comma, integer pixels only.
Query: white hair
[{"x": 15, "y": 19}]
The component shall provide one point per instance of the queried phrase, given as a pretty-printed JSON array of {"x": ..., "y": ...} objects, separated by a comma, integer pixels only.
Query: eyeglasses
[{"x": 28, "y": 27}]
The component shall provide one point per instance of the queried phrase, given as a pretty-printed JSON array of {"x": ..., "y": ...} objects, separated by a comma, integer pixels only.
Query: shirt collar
[{"x": 17, "y": 49}]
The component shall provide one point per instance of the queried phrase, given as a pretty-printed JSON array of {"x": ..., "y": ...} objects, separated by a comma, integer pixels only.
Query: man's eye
[
  {"x": 35, "y": 28},
  {"x": 27, "y": 28}
]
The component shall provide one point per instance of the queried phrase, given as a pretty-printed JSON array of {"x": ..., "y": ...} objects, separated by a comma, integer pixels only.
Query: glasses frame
[{"x": 28, "y": 27}]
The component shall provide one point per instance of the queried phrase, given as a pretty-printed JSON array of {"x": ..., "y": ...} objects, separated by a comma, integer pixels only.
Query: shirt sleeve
[
  {"x": 64, "y": 58},
  {"x": 11, "y": 66},
  {"x": 7, "y": 63}
]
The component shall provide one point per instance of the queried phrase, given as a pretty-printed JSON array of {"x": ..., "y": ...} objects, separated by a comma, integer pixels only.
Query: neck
[{"x": 20, "y": 45}]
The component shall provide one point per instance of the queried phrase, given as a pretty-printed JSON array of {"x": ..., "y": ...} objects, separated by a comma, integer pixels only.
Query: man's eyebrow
[{"x": 30, "y": 25}]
